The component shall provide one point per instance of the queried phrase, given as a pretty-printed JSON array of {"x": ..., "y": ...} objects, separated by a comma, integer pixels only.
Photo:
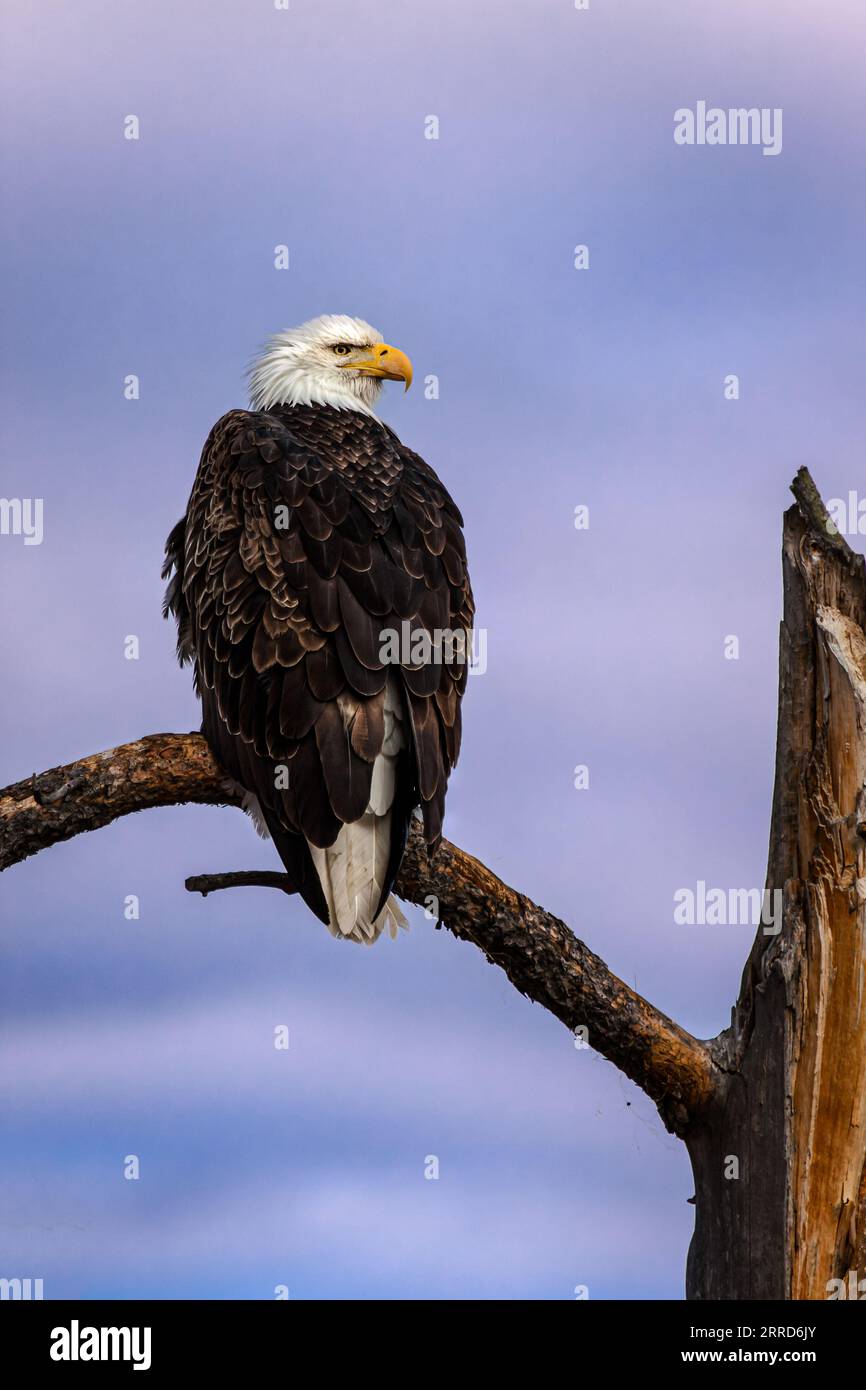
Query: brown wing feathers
[{"x": 308, "y": 533}]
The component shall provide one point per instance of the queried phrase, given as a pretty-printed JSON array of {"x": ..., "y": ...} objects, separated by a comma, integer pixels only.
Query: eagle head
[{"x": 331, "y": 360}]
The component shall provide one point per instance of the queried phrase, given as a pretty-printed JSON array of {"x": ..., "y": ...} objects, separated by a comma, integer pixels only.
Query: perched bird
[{"x": 319, "y": 563}]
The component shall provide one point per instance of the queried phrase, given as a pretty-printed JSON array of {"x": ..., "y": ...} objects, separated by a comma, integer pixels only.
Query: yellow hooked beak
[{"x": 382, "y": 360}]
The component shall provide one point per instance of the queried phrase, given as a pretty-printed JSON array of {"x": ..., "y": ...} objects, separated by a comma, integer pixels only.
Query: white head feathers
[{"x": 311, "y": 365}]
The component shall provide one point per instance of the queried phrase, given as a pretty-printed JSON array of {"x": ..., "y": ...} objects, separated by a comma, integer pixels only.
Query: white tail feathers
[
  {"x": 352, "y": 874},
  {"x": 353, "y": 869}
]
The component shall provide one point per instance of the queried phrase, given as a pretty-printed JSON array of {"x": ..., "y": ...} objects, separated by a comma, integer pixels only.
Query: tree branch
[
  {"x": 159, "y": 770},
  {"x": 540, "y": 955},
  {"x": 239, "y": 878}
]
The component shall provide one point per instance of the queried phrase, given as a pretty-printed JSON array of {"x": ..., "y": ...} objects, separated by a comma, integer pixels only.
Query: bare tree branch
[
  {"x": 540, "y": 955},
  {"x": 159, "y": 770},
  {"x": 238, "y": 878}
]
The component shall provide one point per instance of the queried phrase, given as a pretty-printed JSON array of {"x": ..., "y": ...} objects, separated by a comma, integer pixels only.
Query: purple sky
[{"x": 557, "y": 387}]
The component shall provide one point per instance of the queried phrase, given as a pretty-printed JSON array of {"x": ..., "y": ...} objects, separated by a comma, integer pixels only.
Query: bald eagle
[{"x": 320, "y": 589}]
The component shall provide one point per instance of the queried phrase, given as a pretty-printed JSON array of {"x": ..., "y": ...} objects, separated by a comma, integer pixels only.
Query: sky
[{"x": 608, "y": 647}]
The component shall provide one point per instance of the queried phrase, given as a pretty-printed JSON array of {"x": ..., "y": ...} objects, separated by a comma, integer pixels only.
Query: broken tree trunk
[{"x": 780, "y": 1156}]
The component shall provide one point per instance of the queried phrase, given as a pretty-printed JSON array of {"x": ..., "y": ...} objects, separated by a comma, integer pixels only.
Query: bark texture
[
  {"x": 159, "y": 770},
  {"x": 792, "y": 1110}
]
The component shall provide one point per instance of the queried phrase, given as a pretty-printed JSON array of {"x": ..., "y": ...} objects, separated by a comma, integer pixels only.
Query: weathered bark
[
  {"x": 538, "y": 953},
  {"x": 783, "y": 1090},
  {"x": 792, "y": 1110},
  {"x": 159, "y": 770}
]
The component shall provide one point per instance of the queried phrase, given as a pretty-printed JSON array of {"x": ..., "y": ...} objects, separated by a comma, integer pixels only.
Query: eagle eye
[{"x": 342, "y": 349}]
